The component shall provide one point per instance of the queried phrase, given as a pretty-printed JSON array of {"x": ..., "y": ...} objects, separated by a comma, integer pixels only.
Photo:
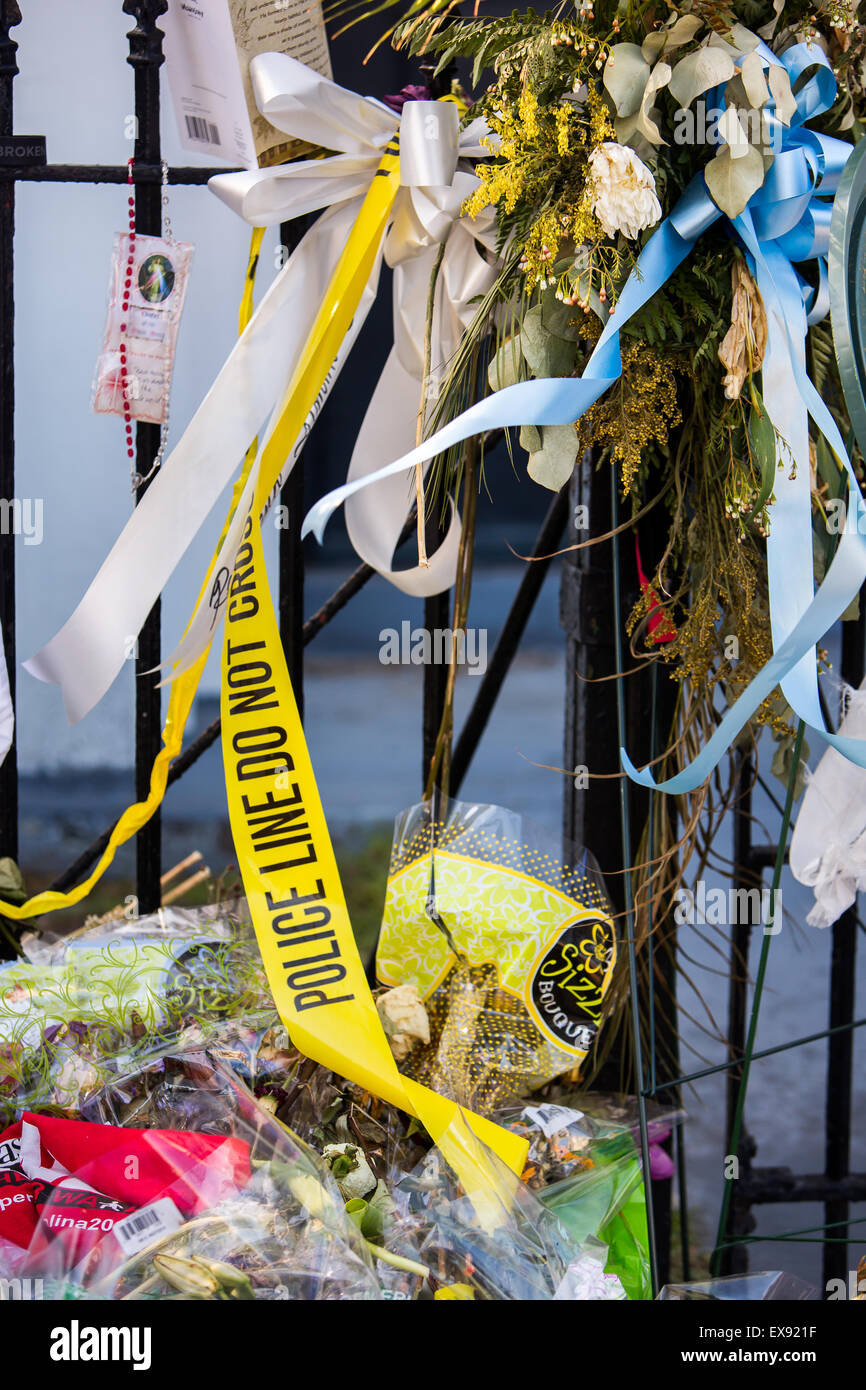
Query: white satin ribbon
[
  {"x": 88, "y": 652},
  {"x": 436, "y": 181},
  {"x": 828, "y": 846},
  {"x": 90, "y": 649}
]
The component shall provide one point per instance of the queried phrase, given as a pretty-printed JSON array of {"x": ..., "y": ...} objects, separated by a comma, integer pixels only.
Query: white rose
[
  {"x": 360, "y": 1179},
  {"x": 404, "y": 1019},
  {"x": 624, "y": 190},
  {"x": 74, "y": 1080}
]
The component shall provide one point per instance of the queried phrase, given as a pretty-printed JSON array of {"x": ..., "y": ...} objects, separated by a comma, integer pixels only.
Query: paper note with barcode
[
  {"x": 147, "y": 1225},
  {"x": 209, "y": 45},
  {"x": 551, "y": 1118}
]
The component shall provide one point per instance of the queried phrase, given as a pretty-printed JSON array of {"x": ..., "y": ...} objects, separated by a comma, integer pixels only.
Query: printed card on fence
[
  {"x": 209, "y": 45},
  {"x": 160, "y": 270}
]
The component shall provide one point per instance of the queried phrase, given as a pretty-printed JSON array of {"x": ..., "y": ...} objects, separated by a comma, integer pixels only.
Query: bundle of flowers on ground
[{"x": 177, "y": 1145}]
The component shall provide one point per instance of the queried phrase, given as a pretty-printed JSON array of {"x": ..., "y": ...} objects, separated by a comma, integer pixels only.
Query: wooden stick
[
  {"x": 193, "y": 858},
  {"x": 182, "y": 888}
]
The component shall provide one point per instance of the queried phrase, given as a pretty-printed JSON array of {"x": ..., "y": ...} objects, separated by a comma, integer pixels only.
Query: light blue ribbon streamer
[{"x": 787, "y": 220}]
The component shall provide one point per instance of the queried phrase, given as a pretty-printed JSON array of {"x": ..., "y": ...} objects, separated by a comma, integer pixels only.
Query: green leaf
[
  {"x": 530, "y": 438},
  {"x": 626, "y": 74},
  {"x": 504, "y": 368},
  {"x": 546, "y": 354},
  {"x": 682, "y": 31},
  {"x": 698, "y": 72},
  {"x": 369, "y": 1220},
  {"x": 560, "y": 319},
  {"x": 828, "y": 469},
  {"x": 763, "y": 439},
  {"x": 12, "y": 889},
  {"x": 553, "y": 464},
  {"x": 732, "y": 182}
]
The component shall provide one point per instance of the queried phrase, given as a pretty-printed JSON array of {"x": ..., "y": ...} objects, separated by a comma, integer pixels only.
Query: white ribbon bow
[
  {"x": 426, "y": 215},
  {"x": 88, "y": 652}
]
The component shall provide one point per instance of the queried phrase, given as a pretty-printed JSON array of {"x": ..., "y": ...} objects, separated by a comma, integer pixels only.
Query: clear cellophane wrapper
[
  {"x": 171, "y": 1097},
  {"x": 510, "y": 944}
]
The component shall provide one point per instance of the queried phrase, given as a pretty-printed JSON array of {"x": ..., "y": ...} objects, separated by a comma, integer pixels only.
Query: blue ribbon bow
[{"x": 786, "y": 222}]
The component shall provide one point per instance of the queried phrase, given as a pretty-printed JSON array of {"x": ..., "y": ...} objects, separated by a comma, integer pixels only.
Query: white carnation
[
  {"x": 404, "y": 1019},
  {"x": 624, "y": 190},
  {"x": 360, "y": 1179}
]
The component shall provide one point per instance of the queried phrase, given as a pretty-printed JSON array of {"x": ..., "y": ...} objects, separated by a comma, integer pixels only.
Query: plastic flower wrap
[
  {"x": 204, "y": 1157},
  {"x": 174, "y": 1182},
  {"x": 510, "y": 948},
  {"x": 84, "y": 1005}
]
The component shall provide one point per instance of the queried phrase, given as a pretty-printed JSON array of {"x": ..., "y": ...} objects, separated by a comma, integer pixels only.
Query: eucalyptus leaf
[
  {"x": 766, "y": 30},
  {"x": 530, "y": 438},
  {"x": 743, "y": 41},
  {"x": 754, "y": 81},
  {"x": 626, "y": 74},
  {"x": 780, "y": 90},
  {"x": 642, "y": 123},
  {"x": 682, "y": 31},
  {"x": 545, "y": 354},
  {"x": 553, "y": 464},
  {"x": 504, "y": 368},
  {"x": 698, "y": 72},
  {"x": 732, "y": 133},
  {"x": 763, "y": 439},
  {"x": 733, "y": 181},
  {"x": 560, "y": 319}
]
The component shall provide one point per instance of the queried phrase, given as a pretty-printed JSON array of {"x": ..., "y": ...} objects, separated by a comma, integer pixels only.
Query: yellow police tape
[
  {"x": 293, "y": 887},
  {"x": 281, "y": 836},
  {"x": 338, "y": 308}
]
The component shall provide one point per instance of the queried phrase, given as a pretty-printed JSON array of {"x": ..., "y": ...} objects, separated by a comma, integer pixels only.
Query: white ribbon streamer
[{"x": 88, "y": 652}]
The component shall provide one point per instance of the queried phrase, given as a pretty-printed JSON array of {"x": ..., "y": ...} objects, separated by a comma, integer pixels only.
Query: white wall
[{"x": 76, "y": 88}]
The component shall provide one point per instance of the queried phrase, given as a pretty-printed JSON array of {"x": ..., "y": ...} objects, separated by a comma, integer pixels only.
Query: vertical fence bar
[
  {"x": 840, "y": 1046},
  {"x": 735, "y": 1258},
  {"x": 145, "y": 57},
  {"x": 9, "y": 16},
  {"x": 590, "y": 810}
]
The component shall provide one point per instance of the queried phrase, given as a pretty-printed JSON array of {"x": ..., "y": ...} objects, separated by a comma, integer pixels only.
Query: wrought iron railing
[{"x": 592, "y": 608}]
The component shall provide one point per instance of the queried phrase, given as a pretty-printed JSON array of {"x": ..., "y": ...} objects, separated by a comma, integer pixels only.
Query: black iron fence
[{"x": 597, "y": 584}]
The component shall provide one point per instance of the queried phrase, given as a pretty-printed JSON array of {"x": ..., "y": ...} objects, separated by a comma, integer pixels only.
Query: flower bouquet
[{"x": 209, "y": 1159}]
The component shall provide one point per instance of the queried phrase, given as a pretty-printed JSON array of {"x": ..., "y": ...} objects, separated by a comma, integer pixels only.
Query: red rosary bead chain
[{"x": 124, "y": 379}]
